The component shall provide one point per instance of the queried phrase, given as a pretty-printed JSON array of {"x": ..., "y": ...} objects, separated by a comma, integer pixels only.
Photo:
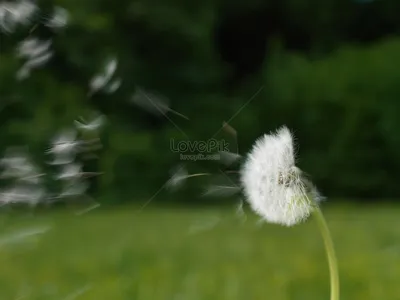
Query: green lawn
[{"x": 193, "y": 254}]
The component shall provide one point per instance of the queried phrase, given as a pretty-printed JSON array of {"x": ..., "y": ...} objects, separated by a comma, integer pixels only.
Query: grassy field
[{"x": 193, "y": 254}]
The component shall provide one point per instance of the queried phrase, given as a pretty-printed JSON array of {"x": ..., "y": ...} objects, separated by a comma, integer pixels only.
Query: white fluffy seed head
[{"x": 273, "y": 185}]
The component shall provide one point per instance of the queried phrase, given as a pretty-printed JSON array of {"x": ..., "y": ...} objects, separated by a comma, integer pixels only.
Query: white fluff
[{"x": 273, "y": 185}]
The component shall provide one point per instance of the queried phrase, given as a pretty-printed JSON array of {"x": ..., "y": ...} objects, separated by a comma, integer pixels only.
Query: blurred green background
[{"x": 327, "y": 69}]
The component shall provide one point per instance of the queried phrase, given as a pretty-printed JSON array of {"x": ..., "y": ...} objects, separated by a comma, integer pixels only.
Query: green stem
[{"x": 330, "y": 252}]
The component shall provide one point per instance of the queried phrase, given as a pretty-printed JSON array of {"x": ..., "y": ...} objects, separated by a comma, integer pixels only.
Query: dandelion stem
[{"x": 330, "y": 252}]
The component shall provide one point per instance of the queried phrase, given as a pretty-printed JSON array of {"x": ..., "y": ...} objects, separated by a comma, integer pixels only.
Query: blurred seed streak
[
  {"x": 260, "y": 223},
  {"x": 111, "y": 67},
  {"x": 232, "y": 131},
  {"x": 59, "y": 19},
  {"x": 32, "y": 178},
  {"x": 114, "y": 86},
  {"x": 229, "y": 179},
  {"x": 162, "y": 108},
  {"x": 34, "y": 27},
  {"x": 74, "y": 189},
  {"x": 228, "y": 158},
  {"x": 221, "y": 190},
  {"x": 100, "y": 81},
  {"x": 151, "y": 198},
  {"x": 64, "y": 147},
  {"x": 204, "y": 225},
  {"x": 93, "y": 125},
  {"x": 22, "y": 235},
  {"x": 15, "y": 13},
  {"x": 37, "y": 53},
  {"x": 86, "y": 210},
  {"x": 240, "y": 211},
  {"x": 177, "y": 178},
  {"x": 158, "y": 104},
  {"x": 38, "y": 61},
  {"x": 32, "y": 47},
  {"x": 167, "y": 185},
  {"x": 239, "y": 110},
  {"x": 79, "y": 292}
]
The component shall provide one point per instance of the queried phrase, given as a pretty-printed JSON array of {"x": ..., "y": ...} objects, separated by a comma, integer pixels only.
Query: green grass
[{"x": 190, "y": 254}]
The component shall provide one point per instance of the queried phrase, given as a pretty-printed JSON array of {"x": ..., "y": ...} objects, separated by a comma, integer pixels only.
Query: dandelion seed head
[{"x": 272, "y": 184}]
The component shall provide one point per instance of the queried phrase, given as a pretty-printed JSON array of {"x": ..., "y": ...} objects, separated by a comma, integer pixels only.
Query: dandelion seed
[
  {"x": 111, "y": 67},
  {"x": 22, "y": 235},
  {"x": 23, "y": 73},
  {"x": 97, "y": 83},
  {"x": 23, "y": 11},
  {"x": 62, "y": 159},
  {"x": 17, "y": 165},
  {"x": 179, "y": 175},
  {"x": 240, "y": 211},
  {"x": 100, "y": 81},
  {"x": 204, "y": 225},
  {"x": 114, "y": 86},
  {"x": 33, "y": 47},
  {"x": 59, "y": 19},
  {"x": 14, "y": 13},
  {"x": 74, "y": 295},
  {"x": 38, "y": 61},
  {"x": 155, "y": 104},
  {"x": 221, "y": 190},
  {"x": 93, "y": 125},
  {"x": 74, "y": 189},
  {"x": 32, "y": 179},
  {"x": 70, "y": 171},
  {"x": 37, "y": 52},
  {"x": 228, "y": 158},
  {"x": 31, "y": 195},
  {"x": 86, "y": 210},
  {"x": 64, "y": 147}
]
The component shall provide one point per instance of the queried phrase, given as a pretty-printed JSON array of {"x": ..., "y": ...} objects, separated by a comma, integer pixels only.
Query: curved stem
[{"x": 330, "y": 252}]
